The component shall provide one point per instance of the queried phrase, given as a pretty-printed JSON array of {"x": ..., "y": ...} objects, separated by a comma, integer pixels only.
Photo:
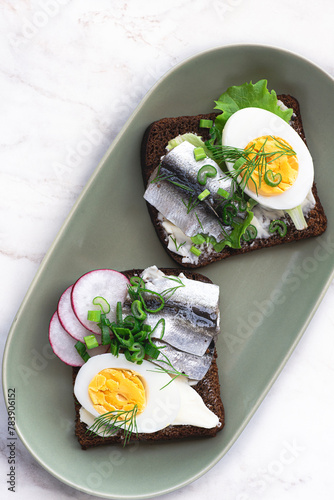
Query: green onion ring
[
  {"x": 250, "y": 233},
  {"x": 205, "y": 172},
  {"x": 278, "y": 226},
  {"x": 272, "y": 179}
]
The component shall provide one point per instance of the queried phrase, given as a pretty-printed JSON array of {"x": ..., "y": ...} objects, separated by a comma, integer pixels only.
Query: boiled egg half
[
  {"x": 286, "y": 158},
  {"x": 106, "y": 383}
]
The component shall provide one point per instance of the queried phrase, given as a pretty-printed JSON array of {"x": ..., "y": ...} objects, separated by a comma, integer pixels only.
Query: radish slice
[
  {"x": 68, "y": 319},
  {"x": 63, "y": 344},
  {"x": 106, "y": 283}
]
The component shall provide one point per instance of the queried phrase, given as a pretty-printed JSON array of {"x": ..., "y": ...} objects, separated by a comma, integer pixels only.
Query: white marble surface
[{"x": 71, "y": 73}]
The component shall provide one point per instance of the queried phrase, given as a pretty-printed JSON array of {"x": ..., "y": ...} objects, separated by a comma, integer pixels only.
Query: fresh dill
[
  {"x": 111, "y": 422},
  {"x": 199, "y": 222},
  {"x": 177, "y": 245},
  {"x": 169, "y": 177},
  {"x": 247, "y": 161},
  {"x": 170, "y": 370},
  {"x": 169, "y": 292},
  {"x": 191, "y": 203}
]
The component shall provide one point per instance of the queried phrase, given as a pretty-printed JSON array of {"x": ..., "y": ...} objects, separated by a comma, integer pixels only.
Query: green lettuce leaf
[
  {"x": 245, "y": 96},
  {"x": 234, "y": 239}
]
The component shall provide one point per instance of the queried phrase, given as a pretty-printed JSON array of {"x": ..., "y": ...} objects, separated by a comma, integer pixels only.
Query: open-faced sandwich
[
  {"x": 142, "y": 345},
  {"x": 226, "y": 183}
]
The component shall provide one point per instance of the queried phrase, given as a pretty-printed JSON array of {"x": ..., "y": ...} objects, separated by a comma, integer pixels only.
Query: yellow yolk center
[
  {"x": 117, "y": 389},
  {"x": 280, "y": 164}
]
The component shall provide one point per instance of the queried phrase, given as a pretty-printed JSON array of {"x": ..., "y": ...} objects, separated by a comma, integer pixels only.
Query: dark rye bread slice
[
  {"x": 153, "y": 148},
  {"x": 208, "y": 388}
]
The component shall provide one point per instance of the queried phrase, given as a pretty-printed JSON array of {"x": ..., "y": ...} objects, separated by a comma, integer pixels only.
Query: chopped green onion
[
  {"x": 127, "y": 355},
  {"x": 124, "y": 336},
  {"x": 105, "y": 334},
  {"x": 229, "y": 211},
  {"x": 81, "y": 348},
  {"x": 199, "y": 154},
  {"x": 114, "y": 348},
  {"x": 163, "y": 323},
  {"x": 91, "y": 342},
  {"x": 297, "y": 217},
  {"x": 94, "y": 316},
  {"x": 205, "y": 172},
  {"x": 160, "y": 297},
  {"x": 272, "y": 179},
  {"x": 278, "y": 226},
  {"x": 205, "y": 123},
  {"x": 134, "y": 324},
  {"x": 250, "y": 233},
  {"x": 137, "y": 280},
  {"x": 103, "y": 303},
  {"x": 138, "y": 352},
  {"x": 204, "y": 194},
  {"x": 152, "y": 351},
  {"x": 223, "y": 193},
  {"x": 195, "y": 251},
  {"x": 137, "y": 310},
  {"x": 140, "y": 336},
  {"x": 239, "y": 163},
  {"x": 198, "y": 239},
  {"x": 242, "y": 203},
  {"x": 119, "y": 315}
]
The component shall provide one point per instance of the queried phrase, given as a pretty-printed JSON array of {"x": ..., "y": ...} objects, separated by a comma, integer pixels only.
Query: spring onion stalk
[
  {"x": 195, "y": 251},
  {"x": 204, "y": 194},
  {"x": 199, "y": 153},
  {"x": 94, "y": 316},
  {"x": 90, "y": 341},
  {"x": 278, "y": 226},
  {"x": 205, "y": 172},
  {"x": 137, "y": 310},
  {"x": 272, "y": 179},
  {"x": 205, "y": 123},
  {"x": 297, "y": 217},
  {"x": 250, "y": 233},
  {"x": 103, "y": 303},
  {"x": 223, "y": 193},
  {"x": 81, "y": 348}
]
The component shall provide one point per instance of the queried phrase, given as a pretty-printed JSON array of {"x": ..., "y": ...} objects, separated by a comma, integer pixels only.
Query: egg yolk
[
  {"x": 117, "y": 389},
  {"x": 279, "y": 163}
]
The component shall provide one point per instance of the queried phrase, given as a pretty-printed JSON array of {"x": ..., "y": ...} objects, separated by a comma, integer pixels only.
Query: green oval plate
[{"x": 267, "y": 298}]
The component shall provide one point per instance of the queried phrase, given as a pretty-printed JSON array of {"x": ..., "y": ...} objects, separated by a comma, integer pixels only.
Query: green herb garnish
[
  {"x": 191, "y": 203},
  {"x": 278, "y": 226},
  {"x": 111, "y": 422},
  {"x": 247, "y": 161},
  {"x": 177, "y": 246}
]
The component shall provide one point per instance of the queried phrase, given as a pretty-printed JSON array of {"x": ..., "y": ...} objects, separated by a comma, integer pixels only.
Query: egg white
[
  {"x": 248, "y": 124},
  {"x": 162, "y": 405},
  {"x": 177, "y": 403}
]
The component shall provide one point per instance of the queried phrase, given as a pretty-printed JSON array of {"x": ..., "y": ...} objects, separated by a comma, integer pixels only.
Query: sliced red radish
[
  {"x": 63, "y": 344},
  {"x": 68, "y": 319},
  {"x": 106, "y": 283}
]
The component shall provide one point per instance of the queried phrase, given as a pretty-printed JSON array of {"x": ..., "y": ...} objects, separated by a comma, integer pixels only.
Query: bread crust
[
  {"x": 153, "y": 147},
  {"x": 208, "y": 388}
]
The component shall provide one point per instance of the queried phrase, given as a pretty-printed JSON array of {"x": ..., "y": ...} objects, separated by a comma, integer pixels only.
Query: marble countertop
[{"x": 71, "y": 70}]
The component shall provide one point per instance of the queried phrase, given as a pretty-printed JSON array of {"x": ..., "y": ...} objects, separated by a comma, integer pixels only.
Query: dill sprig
[
  {"x": 247, "y": 161},
  {"x": 169, "y": 369},
  {"x": 169, "y": 177},
  {"x": 199, "y": 222},
  {"x": 191, "y": 203},
  {"x": 111, "y": 422},
  {"x": 177, "y": 246},
  {"x": 169, "y": 292}
]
